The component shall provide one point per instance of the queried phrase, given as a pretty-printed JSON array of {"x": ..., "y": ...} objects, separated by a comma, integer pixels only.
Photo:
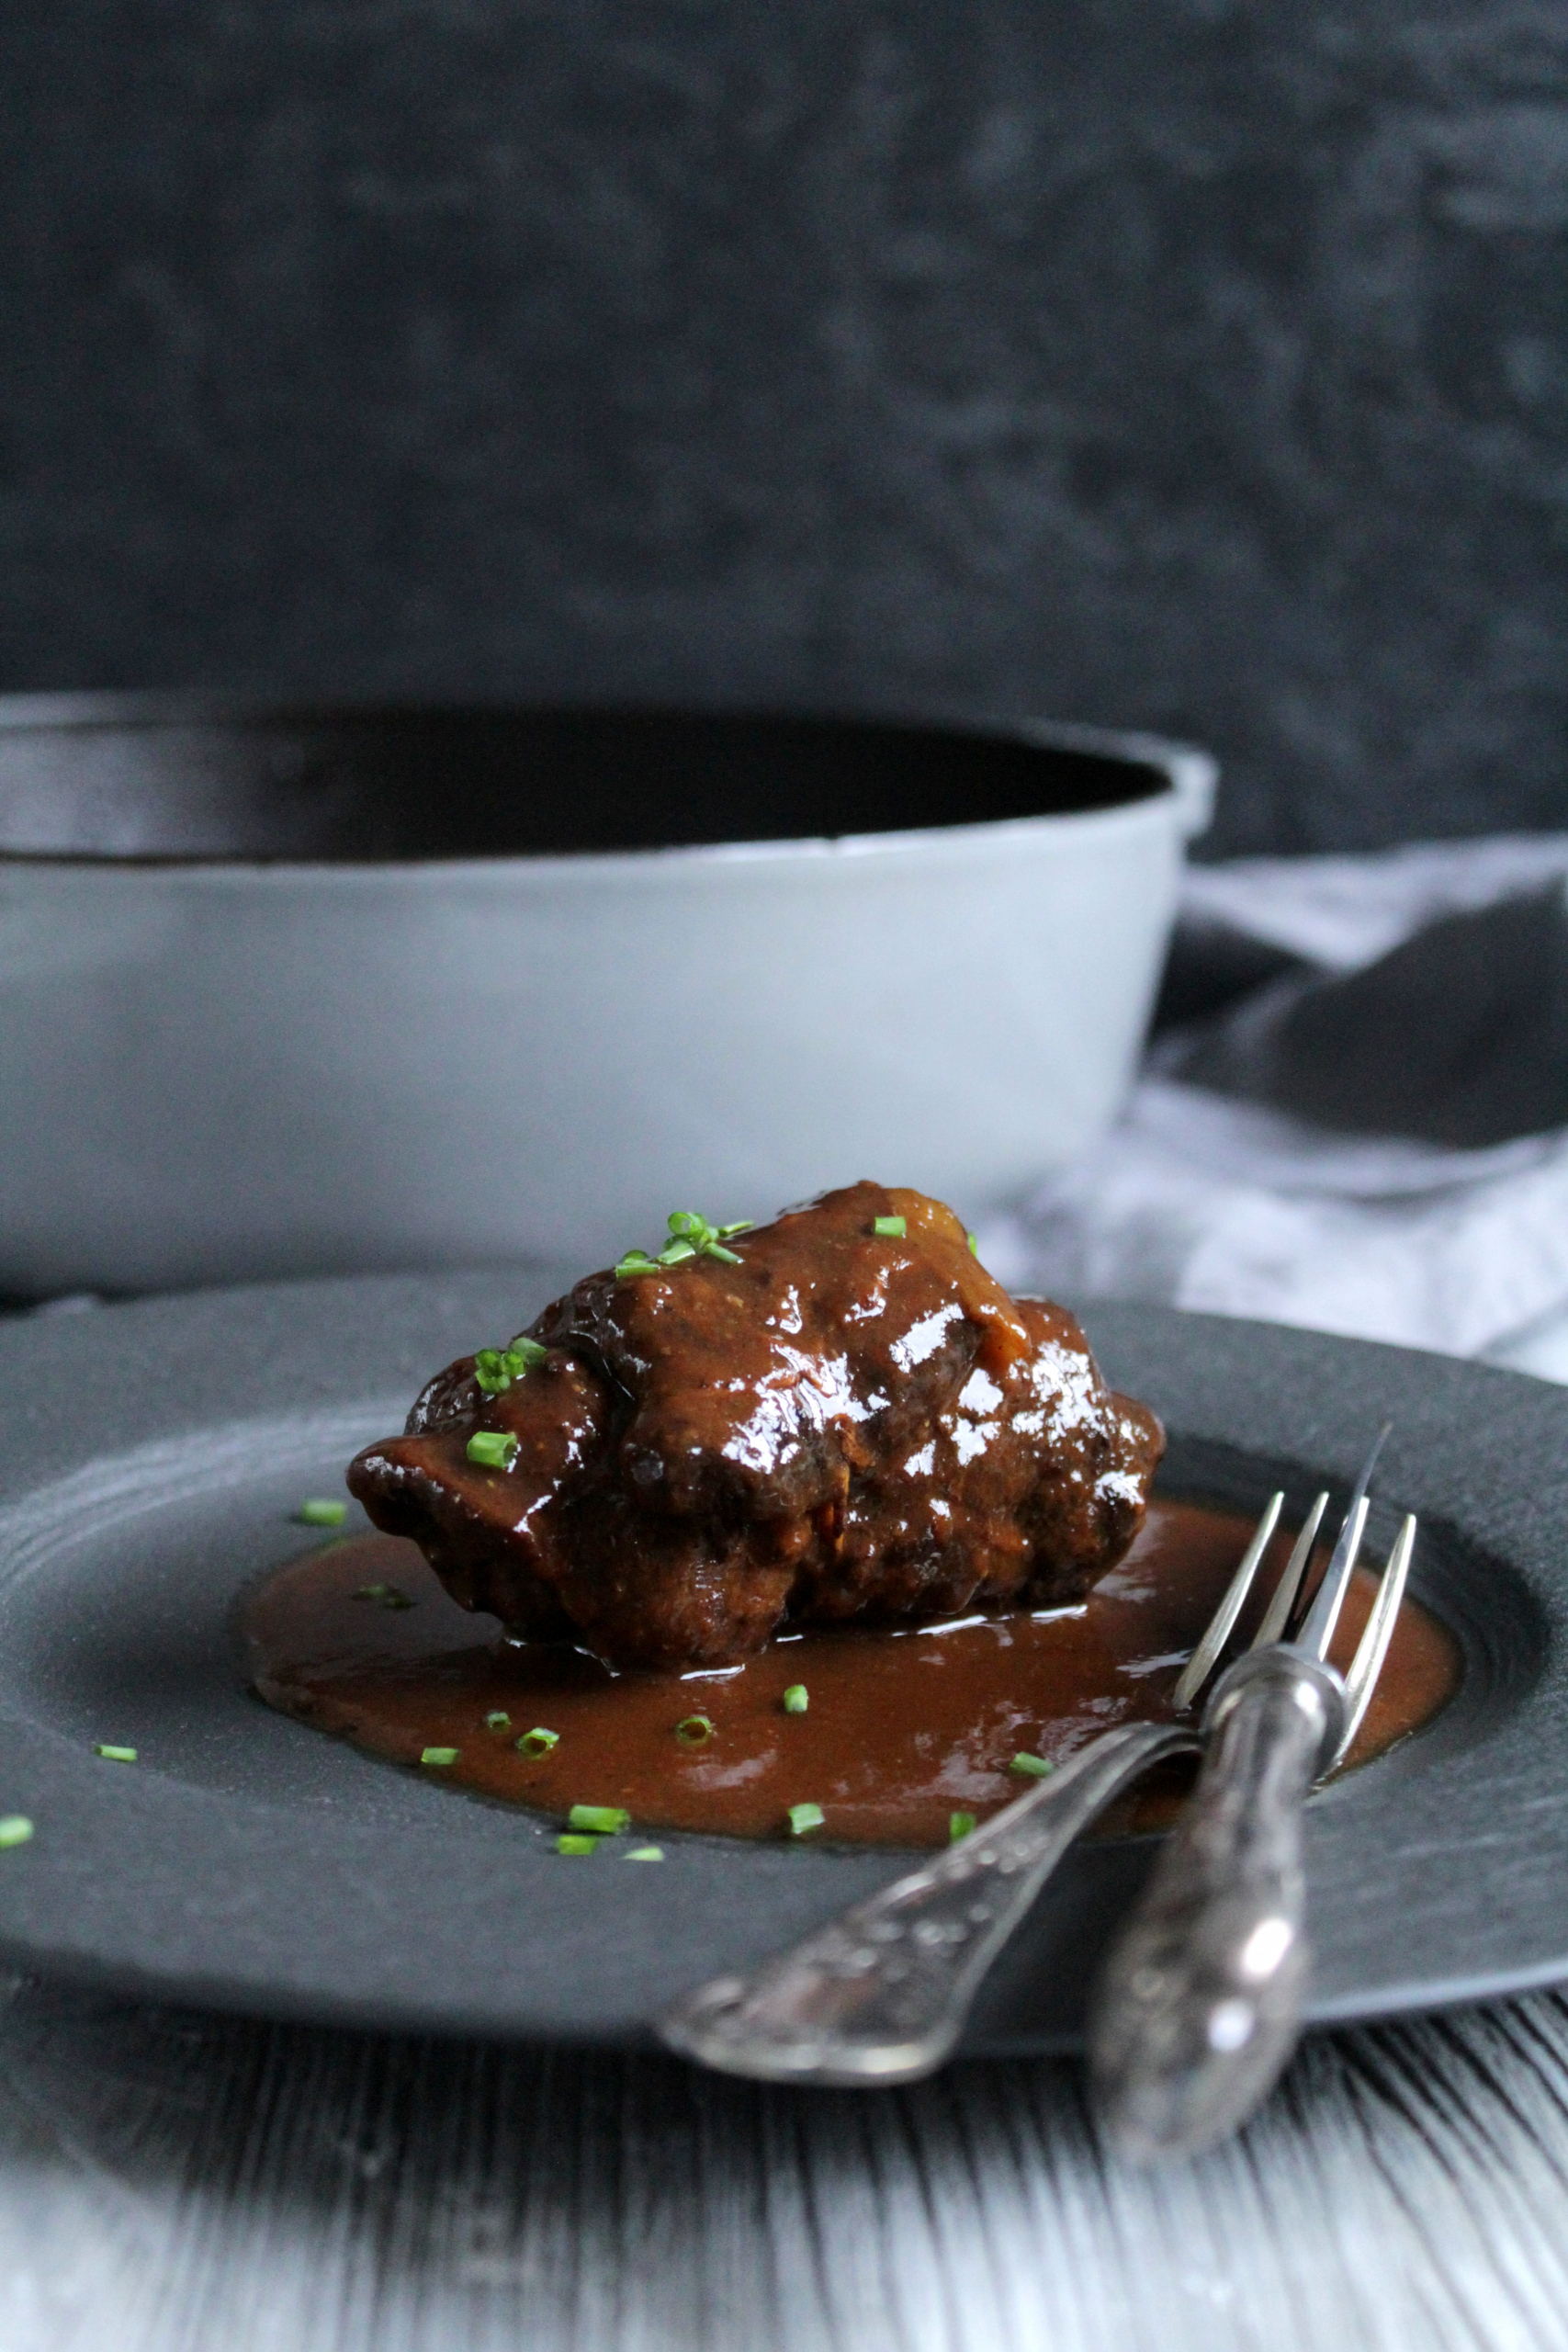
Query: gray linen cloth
[{"x": 1354, "y": 1116}]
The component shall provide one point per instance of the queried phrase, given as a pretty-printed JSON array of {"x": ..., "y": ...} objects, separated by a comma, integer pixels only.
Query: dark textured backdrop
[{"x": 1195, "y": 365}]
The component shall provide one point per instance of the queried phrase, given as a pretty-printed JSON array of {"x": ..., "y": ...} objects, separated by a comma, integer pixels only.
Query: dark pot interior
[{"x": 370, "y": 785}]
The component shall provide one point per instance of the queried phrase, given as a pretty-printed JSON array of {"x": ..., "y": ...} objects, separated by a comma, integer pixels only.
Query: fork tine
[
  {"x": 1195, "y": 1673},
  {"x": 1376, "y": 1635},
  {"x": 1317, "y": 1631},
  {"x": 1277, "y": 1615}
]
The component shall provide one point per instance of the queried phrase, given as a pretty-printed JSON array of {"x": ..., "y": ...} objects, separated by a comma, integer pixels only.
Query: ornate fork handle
[
  {"x": 1200, "y": 1999},
  {"x": 881, "y": 1994}
]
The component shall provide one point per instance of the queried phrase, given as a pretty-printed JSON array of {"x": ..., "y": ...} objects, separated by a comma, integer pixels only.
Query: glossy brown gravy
[{"x": 904, "y": 1726}]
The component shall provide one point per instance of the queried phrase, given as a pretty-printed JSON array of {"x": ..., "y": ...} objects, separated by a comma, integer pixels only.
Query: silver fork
[
  {"x": 1199, "y": 2007},
  {"x": 881, "y": 1994}
]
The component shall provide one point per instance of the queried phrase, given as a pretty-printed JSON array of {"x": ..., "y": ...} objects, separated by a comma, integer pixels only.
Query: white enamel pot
[{"x": 290, "y": 992}]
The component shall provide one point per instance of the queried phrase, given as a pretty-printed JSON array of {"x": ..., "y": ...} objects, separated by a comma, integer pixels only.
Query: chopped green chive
[
  {"x": 603, "y": 1820},
  {"x": 14, "y": 1831},
  {"x": 385, "y": 1596},
  {"x": 323, "y": 1510},
  {"x": 973, "y": 1245},
  {"x": 538, "y": 1742},
  {"x": 694, "y": 1731},
  {"x": 643, "y": 1854},
  {"x": 498, "y": 1720},
  {"x": 959, "y": 1824},
  {"x": 892, "y": 1229},
  {"x": 115, "y": 1755},
  {"x": 797, "y": 1699},
  {"x": 1030, "y": 1768},
  {"x": 566, "y": 1843},
  {"x": 690, "y": 1236},
  {"x": 803, "y": 1818},
  {"x": 495, "y": 1369},
  {"x": 494, "y": 1449},
  {"x": 439, "y": 1755}
]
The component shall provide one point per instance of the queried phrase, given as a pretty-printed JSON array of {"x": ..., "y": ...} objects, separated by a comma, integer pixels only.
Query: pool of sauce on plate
[{"x": 905, "y": 1725}]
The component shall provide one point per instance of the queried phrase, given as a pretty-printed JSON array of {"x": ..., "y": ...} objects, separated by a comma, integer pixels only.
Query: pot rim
[{"x": 1190, "y": 777}]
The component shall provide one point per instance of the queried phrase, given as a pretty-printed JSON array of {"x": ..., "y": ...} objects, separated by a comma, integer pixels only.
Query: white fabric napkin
[{"x": 1201, "y": 1197}]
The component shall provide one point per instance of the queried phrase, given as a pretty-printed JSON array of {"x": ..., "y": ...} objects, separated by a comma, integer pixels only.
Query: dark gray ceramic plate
[{"x": 150, "y": 1456}]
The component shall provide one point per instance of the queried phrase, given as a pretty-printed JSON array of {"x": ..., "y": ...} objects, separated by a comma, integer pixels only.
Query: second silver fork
[
  {"x": 880, "y": 1994},
  {"x": 1199, "y": 2005}
]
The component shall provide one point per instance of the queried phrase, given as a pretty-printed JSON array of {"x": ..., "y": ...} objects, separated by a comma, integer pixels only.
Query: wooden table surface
[{"x": 180, "y": 2181}]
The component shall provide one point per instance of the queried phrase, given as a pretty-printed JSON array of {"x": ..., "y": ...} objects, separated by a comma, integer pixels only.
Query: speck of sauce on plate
[{"x": 904, "y": 1726}]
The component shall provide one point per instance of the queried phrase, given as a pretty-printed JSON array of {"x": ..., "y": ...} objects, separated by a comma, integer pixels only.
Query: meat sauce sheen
[{"x": 905, "y": 1724}]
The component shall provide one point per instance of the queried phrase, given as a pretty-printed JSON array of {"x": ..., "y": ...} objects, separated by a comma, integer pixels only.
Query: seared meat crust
[{"x": 843, "y": 1424}]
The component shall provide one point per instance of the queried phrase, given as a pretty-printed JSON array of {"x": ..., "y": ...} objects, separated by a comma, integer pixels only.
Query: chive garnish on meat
[
  {"x": 635, "y": 1261},
  {"x": 495, "y": 1369},
  {"x": 1030, "y": 1768},
  {"x": 959, "y": 1824},
  {"x": 694, "y": 1731},
  {"x": 797, "y": 1699},
  {"x": 602, "y": 1820},
  {"x": 805, "y": 1817},
  {"x": 492, "y": 1449},
  {"x": 892, "y": 1229},
  {"x": 690, "y": 1236},
  {"x": 498, "y": 1720},
  {"x": 538, "y": 1742},
  {"x": 439, "y": 1755}
]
